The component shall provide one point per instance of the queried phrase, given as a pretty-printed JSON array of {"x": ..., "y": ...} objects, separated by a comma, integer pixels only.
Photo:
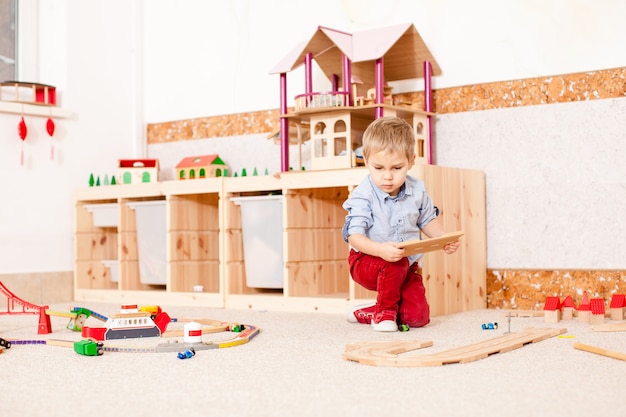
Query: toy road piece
[{"x": 412, "y": 247}]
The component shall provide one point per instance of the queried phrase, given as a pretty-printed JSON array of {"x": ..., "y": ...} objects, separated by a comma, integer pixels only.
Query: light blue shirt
[{"x": 383, "y": 218}]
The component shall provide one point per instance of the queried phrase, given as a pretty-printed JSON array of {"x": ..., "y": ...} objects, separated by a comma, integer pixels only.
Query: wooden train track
[
  {"x": 239, "y": 338},
  {"x": 389, "y": 353}
]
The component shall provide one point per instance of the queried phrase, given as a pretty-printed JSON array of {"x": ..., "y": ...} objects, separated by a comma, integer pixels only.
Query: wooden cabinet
[
  {"x": 192, "y": 245},
  {"x": 205, "y": 243}
]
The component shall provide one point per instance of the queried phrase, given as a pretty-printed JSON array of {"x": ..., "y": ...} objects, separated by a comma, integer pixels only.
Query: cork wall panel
[
  {"x": 528, "y": 289},
  {"x": 610, "y": 83},
  {"x": 214, "y": 127}
]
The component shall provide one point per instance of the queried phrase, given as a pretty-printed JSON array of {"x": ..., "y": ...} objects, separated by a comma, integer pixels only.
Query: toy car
[
  {"x": 88, "y": 347},
  {"x": 5, "y": 343},
  {"x": 189, "y": 353}
]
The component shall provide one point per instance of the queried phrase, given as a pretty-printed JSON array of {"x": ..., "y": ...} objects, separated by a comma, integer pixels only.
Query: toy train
[{"x": 88, "y": 347}]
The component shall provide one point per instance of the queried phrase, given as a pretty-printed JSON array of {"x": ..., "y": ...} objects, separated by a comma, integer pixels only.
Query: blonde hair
[{"x": 389, "y": 134}]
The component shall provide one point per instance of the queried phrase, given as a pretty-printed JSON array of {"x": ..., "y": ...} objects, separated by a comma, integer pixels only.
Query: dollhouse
[
  {"x": 138, "y": 171},
  {"x": 204, "y": 166},
  {"x": 360, "y": 67},
  {"x": 552, "y": 309},
  {"x": 617, "y": 306}
]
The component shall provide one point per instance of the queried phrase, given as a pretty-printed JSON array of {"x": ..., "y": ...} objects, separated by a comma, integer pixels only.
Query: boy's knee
[
  {"x": 417, "y": 321},
  {"x": 416, "y": 317}
]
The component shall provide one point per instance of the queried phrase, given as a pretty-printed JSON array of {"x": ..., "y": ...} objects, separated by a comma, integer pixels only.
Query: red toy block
[
  {"x": 94, "y": 332},
  {"x": 162, "y": 320},
  {"x": 44, "y": 321}
]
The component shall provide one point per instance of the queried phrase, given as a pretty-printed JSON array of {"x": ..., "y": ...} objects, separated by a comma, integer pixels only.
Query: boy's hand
[
  {"x": 451, "y": 247},
  {"x": 390, "y": 253}
]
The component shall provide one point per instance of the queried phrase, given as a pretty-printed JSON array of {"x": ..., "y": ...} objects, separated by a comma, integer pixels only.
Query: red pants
[{"x": 399, "y": 285}]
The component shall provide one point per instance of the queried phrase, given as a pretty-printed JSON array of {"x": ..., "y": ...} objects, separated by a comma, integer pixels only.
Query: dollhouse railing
[{"x": 320, "y": 100}]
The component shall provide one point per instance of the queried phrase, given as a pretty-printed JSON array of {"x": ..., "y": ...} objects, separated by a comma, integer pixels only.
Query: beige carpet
[{"x": 294, "y": 367}]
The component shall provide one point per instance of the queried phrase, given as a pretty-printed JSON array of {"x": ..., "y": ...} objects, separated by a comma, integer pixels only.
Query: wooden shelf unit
[
  {"x": 194, "y": 236},
  {"x": 193, "y": 244},
  {"x": 205, "y": 243}
]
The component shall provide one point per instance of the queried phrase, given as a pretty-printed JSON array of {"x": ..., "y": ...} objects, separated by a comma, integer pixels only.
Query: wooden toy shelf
[
  {"x": 205, "y": 244},
  {"x": 192, "y": 243}
]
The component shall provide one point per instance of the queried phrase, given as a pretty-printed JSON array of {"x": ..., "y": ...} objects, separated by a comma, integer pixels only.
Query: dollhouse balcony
[{"x": 322, "y": 100}]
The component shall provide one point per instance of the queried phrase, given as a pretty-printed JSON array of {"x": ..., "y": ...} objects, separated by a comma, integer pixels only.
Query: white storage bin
[
  {"x": 262, "y": 229},
  {"x": 114, "y": 268},
  {"x": 104, "y": 214},
  {"x": 150, "y": 217}
]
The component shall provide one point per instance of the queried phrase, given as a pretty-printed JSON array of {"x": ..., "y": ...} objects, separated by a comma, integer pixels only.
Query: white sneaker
[
  {"x": 385, "y": 326},
  {"x": 361, "y": 314}
]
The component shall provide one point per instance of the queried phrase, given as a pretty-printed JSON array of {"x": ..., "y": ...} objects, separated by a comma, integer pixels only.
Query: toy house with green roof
[{"x": 204, "y": 166}]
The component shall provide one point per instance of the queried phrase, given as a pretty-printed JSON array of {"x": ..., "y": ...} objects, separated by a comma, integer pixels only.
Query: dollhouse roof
[
  {"x": 401, "y": 46},
  {"x": 618, "y": 301},
  {"x": 138, "y": 163},
  {"x": 597, "y": 306},
  {"x": 552, "y": 304},
  {"x": 568, "y": 302},
  {"x": 584, "y": 304},
  {"x": 199, "y": 161}
]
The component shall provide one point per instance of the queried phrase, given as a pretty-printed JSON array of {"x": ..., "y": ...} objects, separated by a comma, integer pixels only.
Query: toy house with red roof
[
  {"x": 617, "y": 307},
  {"x": 598, "y": 311},
  {"x": 204, "y": 166},
  {"x": 568, "y": 307},
  {"x": 552, "y": 309},
  {"x": 137, "y": 171},
  {"x": 359, "y": 67},
  {"x": 584, "y": 310}
]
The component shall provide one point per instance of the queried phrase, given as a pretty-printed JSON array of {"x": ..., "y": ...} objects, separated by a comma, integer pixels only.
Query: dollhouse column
[
  {"x": 334, "y": 82},
  {"x": 346, "y": 69},
  {"x": 284, "y": 125},
  {"x": 308, "y": 76},
  {"x": 379, "y": 74},
  {"x": 428, "y": 107}
]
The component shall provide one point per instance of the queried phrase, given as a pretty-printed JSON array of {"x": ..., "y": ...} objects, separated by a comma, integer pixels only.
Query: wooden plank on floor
[
  {"x": 390, "y": 353},
  {"x": 620, "y": 326},
  {"x": 601, "y": 351}
]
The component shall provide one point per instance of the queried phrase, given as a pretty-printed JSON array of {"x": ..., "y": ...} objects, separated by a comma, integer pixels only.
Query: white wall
[
  {"x": 119, "y": 64},
  {"x": 211, "y": 58},
  {"x": 85, "y": 50}
]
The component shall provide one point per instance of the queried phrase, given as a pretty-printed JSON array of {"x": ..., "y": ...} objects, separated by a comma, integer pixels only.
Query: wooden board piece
[
  {"x": 523, "y": 313},
  {"x": 600, "y": 351},
  {"x": 389, "y": 353},
  {"x": 620, "y": 326},
  {"x": 412, "y": 247}
]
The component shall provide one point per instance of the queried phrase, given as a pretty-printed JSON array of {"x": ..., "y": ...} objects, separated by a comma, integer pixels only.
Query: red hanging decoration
[
  {"x": 50, "y": 126},
  {"x": 23, "y": 131},
  {"x": 50, "y": 129},
  {"x": 21, "y": 128}
]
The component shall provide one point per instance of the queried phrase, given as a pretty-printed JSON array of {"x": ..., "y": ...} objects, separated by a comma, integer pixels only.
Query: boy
[{"x": 390, "y": 206}]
